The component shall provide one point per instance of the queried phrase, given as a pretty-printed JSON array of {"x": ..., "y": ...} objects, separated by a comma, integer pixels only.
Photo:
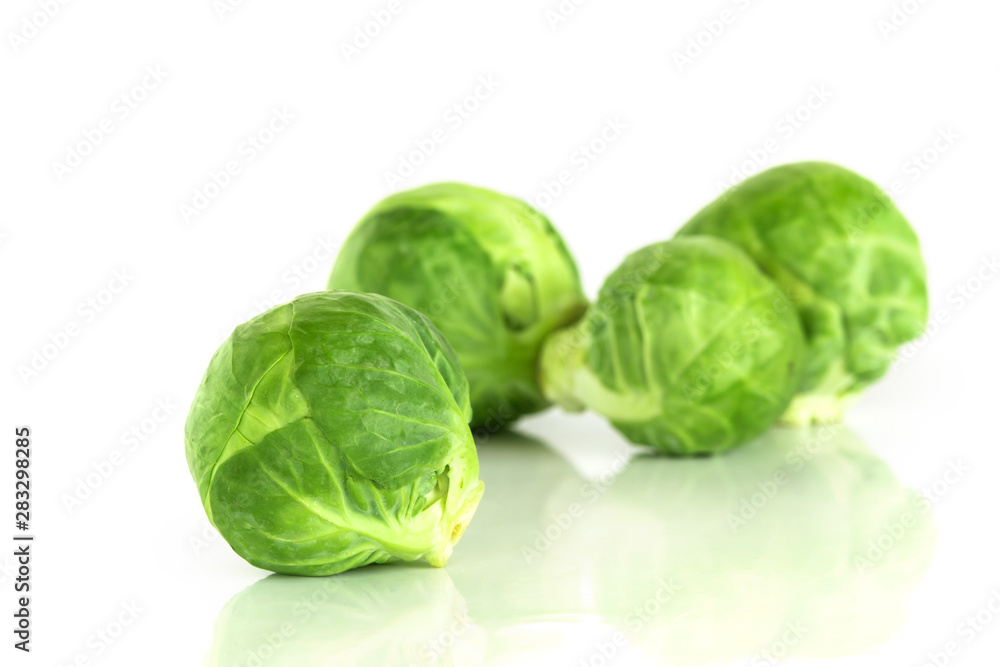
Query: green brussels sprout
[
  {"x": 332, "y": 432},
  {"x": 490, "y": 271},
  {"x": 689, "y": 348},
  {"x": 848, "y": 260}
]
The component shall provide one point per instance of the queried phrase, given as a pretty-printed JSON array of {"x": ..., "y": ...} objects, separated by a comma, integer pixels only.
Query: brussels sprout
[
  {"x": 331, "y": 432},
  {"x": 488, "y": 269},
  {"x": 848, "y": 260},
  {"x": 689, "y": 348}
]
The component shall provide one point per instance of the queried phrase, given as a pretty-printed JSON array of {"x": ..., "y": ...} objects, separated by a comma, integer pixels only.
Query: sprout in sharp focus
[
  {"x": 848, "y": 260},
  {"x": 331, "y": 432},
  {"x": 688, "y": 348},
  {"x": 490, "y": 271}
]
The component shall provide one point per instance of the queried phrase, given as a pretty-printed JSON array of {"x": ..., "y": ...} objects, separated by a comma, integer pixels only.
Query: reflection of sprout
[
  {"x": 538, "y": 486},
  {"x": 529, "y": 607},
  {"x": 786, "y": 578},
  {"x": 376, "y": 616}
]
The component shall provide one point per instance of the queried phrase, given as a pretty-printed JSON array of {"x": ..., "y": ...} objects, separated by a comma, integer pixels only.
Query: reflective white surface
[
  {"x": 132, "y": 574},
  {"x": 803, "y": 544}
]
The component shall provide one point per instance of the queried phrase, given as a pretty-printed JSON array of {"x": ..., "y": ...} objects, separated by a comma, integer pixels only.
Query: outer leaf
[{"x": 330, "y": 433}]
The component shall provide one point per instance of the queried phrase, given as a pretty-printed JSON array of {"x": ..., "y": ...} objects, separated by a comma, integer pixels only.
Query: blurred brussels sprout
[
  {"x": 487, "y": 269},
  {"x": 688, "y": 348},
  {"x": 846, "y": 257},
  {"x": 331, "y": 432}
]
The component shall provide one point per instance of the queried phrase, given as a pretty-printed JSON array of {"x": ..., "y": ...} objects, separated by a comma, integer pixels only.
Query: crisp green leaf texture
[
  {"x": 689, "y": 348},
  {"x": 490, "y": 271},
  {"x": 848, "y": 259},
  {"x": 331, "y": 432}
]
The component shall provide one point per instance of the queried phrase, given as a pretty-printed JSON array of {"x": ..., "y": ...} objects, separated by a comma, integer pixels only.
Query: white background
[{"x": 889, "y": 93}]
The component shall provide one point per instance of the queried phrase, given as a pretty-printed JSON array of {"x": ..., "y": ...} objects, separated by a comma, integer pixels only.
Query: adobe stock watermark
[
  {"x": 121, "y": 109},
  {"x": 711, "y": 30},
  {"x": 248, "y": 150},
  {"x": 562, "y": 522},
  {"x": 581, "y": 159},
  {"x": 496, "y": 418},
  {"x": 433, "y": 650},
  {"x": 130, "y": 442},
  {"x": 318, "y": 259},
  {"x": 367, "y": 33},
  {"x": 87, "y": 311},
  {"x": 912, "y": 170},
  {"x": 32, "y": 25},
  {"x": 899, "y": 15},
  {"x": 561, "y": 12},
  {"x": 966, "y": 632},
  {"x": 579, "y": 336},
  {"x": 721, "y": 361},
  {"x": 894, "y": 531},
  {"x": 608, "y": 652},
  {"x": 204, "y": 538},
  {"x": 934, "y": 492},
  {"x": 786, "y": 127},
  {"x": 101, "y": 640},
  {"x": 920, "y": 162},
  {"x": 285, "y": 630},
  {"x": 781, "y": 647},
  {"x": 452, "y": 120},
  {"x": 750, "y": 506},
  {"x": 223, "y": 8},
  {"x": 642, "y": 614},
  {"x": 957, "y": 298},
  {"x": 269, "y": 645}
]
